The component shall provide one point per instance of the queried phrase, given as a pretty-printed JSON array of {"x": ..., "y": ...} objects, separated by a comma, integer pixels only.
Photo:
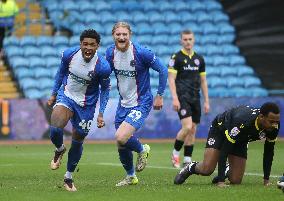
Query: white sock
[
  {"x": 68, "y": 175},
  {"x": 176, "y": 153},
  {"x": 187, "y": 159},
  {"x": 60, "y": 148}
]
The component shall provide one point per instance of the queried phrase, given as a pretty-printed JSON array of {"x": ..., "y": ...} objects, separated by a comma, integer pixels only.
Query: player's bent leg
[
  {"x": 209, "y": 163},
  {"x": 59, "y": 118},
  {"x": 205, "y": 168},
  {"x": 124, "y": 132},
  {"x": 237, "y": 169},
  {"x": 124, "y": 136}
]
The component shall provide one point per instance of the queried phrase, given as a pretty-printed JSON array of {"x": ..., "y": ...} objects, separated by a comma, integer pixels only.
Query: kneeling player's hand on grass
[
  {"x": 100, "y": 121},
  {"x": 222, "y": 185}
]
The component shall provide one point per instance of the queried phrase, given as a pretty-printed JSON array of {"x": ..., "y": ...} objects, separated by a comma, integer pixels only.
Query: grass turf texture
[{"x": 25, "y": 175}]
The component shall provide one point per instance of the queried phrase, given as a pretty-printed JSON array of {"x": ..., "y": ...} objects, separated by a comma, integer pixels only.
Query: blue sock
[
  {"x": 126, "y": 159},
  {"x": 74, "y": 155},
  {"x": 134, "y": 144},
  {"x": 56, "y": 136}
]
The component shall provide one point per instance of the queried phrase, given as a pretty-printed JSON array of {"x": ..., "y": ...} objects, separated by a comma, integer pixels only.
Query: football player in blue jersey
[
  {"x": 130, "y": 63},
  {"x": 82, "y": 78}
]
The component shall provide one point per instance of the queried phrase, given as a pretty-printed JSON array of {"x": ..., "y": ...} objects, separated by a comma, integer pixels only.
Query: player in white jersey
[
  {"x": 82, "y": 78},
  {"x": 131, "y": 63}
]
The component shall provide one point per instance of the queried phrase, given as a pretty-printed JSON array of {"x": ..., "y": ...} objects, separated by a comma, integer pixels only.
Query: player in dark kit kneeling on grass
[{"x": 228, "y": 138}]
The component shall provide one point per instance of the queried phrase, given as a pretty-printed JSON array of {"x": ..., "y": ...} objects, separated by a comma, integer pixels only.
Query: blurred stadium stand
[
  {"x": 34, "y": 56},
  {"x": 260, "y": 37}
]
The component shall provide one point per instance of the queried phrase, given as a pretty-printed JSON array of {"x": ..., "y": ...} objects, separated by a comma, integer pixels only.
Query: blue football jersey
[
  {"x": 81, "y": 81},
  {"x": 131, "y": 69}
]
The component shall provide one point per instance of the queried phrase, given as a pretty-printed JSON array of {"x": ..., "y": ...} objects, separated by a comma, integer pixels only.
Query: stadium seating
[{"x": 155, "y": 24}]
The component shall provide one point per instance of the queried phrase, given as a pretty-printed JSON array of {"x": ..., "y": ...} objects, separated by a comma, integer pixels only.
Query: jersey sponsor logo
[
  {"x": 254, "y": 111},
  {"x": 197, "y": 62},
  {"x": 132, "y": 63},
  {"x": 188, "y": 67},
  {"x": 234, "y": 132},
  {"x": 126, "y": 73},
  {"x": 79, "y": 79},
  {"x": 211, "y": 141},
  {"x": 183, "y": 112},
  {"x": 171, "y": 62}
]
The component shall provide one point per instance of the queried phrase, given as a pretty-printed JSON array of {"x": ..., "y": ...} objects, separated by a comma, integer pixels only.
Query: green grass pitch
[{"x": 25, "y": 176}]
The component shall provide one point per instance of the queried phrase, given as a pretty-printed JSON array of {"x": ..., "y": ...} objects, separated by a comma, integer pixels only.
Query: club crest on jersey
[
  {"x": 197, "y": 62},
  {"x": 261, "y": 135},
  {"x": 132, "y": 63},
  {"x": 91, "y": 74},
  {"x": 183, "y": 112},
  {"x": 211, "y": 141},
  {"x": 234, "y": 132}
]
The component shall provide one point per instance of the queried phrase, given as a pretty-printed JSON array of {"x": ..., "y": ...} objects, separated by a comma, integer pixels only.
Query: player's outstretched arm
[
  {"x": 163, "y": 75},
  {"x": 267, "y": 160},
  {"x": 104, "y": 81},
  {"x": 60, "y": 74}
]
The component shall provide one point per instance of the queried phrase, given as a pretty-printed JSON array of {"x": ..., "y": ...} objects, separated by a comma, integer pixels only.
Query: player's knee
[
  {"x": 120, "y": 139},
  {"x": 207, "y": 171},
  {"x": 235, "y": 180},
  {"x": 58, "y": 121},
  {"x": 186, "y": 129}
]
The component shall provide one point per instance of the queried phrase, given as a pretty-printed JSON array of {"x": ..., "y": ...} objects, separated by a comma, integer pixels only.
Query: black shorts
[
  {"x": 190, "y": 109},
  {"x": 216, "y": 137}
]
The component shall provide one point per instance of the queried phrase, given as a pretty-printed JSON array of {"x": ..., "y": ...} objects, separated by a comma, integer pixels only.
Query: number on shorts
[
  {"x": 85, "y": 125},
  {"x": 135, "y": 115}
]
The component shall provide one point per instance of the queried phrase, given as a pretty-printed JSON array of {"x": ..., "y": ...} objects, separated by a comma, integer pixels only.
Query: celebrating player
[
  {"x": 82, "y": 77},
  {"x": 228, "y": 138},
  {"x": 130, "y": 63}
]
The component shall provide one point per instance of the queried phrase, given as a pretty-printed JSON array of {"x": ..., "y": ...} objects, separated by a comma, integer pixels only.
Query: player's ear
[{"x": 261, "y": 117}]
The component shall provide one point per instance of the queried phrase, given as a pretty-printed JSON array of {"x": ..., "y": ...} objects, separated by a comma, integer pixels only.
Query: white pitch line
[
  {"x": 171, "y": 168},
  {"x": 119, "y": 165}
]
